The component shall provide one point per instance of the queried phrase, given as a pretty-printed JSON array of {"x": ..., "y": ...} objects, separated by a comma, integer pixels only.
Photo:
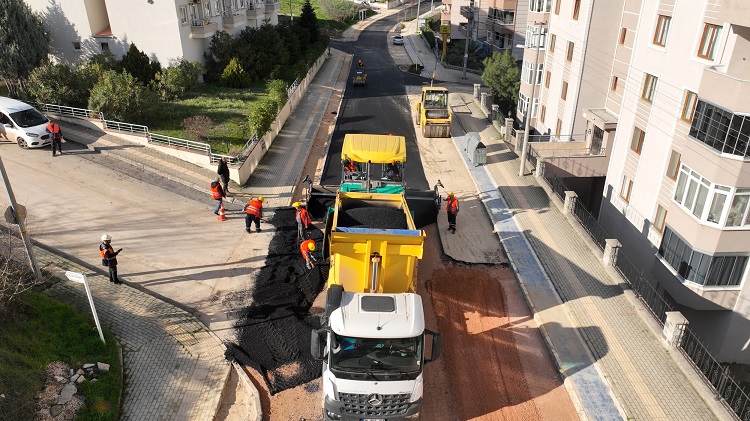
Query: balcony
[
  {"x": 234, "y": 18},
  {"x": 736, "y": 12},
  {"x": 727, "y": 91},
  {"x": 255, "y": 11},
  {"x": 500, "y": 22},
  {"x": 203, "y": 28},
  {"x": 272, "y": 6}
]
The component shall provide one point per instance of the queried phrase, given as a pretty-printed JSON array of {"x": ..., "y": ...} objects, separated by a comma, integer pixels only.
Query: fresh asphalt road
[
  {"x": 381, "y": 106},
  {"x": 172, "y": 242}
]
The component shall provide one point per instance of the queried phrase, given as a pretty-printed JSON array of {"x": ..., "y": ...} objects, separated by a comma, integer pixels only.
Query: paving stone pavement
[
  {"x": 642, "y": 373},
  {"x": 174, "y": 367}
]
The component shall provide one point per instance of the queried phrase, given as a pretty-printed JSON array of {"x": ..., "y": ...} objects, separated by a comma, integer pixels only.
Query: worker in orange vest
[
  {"x": 302, "y": 216},
  {"x": 451, "y": 208},
  {"x": 253, "y": 213},
  {"x": 55, "y": 135},
  {"x": 217, "y": 192},
  {"x": 306, "y": 248}
]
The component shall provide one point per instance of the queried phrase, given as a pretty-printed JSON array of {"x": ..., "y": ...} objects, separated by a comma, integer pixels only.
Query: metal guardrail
[
  {"x": 125, "y": 127},
  {"x": 69, "y": 111},
  {"x": 180, "y": 143},
  {"x": 291, "y": 88},
  {"x": 718, "y": 376}
]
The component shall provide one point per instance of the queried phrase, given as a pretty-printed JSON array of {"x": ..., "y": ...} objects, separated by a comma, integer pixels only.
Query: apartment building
[
  {"x": 164, "y": 29},
  {"x": 500, "y": 24},
  {"x": 644, "y": 104}
]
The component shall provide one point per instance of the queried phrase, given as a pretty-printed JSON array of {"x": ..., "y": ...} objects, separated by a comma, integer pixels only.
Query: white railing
[
  {"x": 69, "y": 111},
  {"x": 291, "y": 88},
  {"x": 124, "y": 127},
  {"x": 180, "y": 143}
]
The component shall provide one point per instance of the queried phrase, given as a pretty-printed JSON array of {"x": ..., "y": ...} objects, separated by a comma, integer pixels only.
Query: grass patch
[
  {"x": 38, "y": 330},
  {"x": 229, "y": 108}
]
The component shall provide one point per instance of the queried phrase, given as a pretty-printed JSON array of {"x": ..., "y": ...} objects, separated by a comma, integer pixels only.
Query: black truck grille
[{"x": 361, "y": 405}]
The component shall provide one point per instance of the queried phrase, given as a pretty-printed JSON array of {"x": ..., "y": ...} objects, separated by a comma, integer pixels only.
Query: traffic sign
[
  {"x": 11, "y": 218},
  {"x": 445, "y": 29},
  {"x": 75, "y": 276}
]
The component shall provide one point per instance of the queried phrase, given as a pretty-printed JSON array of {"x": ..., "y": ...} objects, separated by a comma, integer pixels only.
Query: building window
[
  {"x": 535, "y": 108},
  {"x": 576, "y": 9},
  {"x": 626, "y": 188},
  {"x": 701, "y": 268},
  {"x": 542, "y": 113},
  {"x": 674, "y": 165},
  {"x": 77, "y": 45},
  {"x": 523, "y": 103},
  {"x": 207, "y": 9},
  {"x": 183, "y": 15},
  {"x": 623, "y": 32},
  {"x": 217, "y": 8},
  {"x": 662, "y": 29},
  {"x": 557, "y": 7},
  {"x": 546, "y": 80},
  {"x": 709, "y": 39},
  {"x": 552, "y": 39},
  {"x": 569, "y": 54},
  {"x": 649, "y": 86},
  {"x": 692, "y": 191},
  {"x": 105, "y": 46},
  {"x": 527, "y": 73},
  {"x": 720, "y": 129},
  {"x": 614, "y": 83},
  {"x": 688, "y": 105},
  {"x": 533, "y": 37},
  {"x": 558, "y": 127},
  {"x": 564, "y": 92},
  {"x": 500, "y": 16},
  {"x": 738, "y": 213},
  {"x": 636, "y": 144},
  {"x": 660, "y": 218},
  {"x": 540, "y": 6}
]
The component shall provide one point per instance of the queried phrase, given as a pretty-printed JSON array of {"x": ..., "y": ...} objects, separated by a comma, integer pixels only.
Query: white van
[{"x": 23, "y": 124}]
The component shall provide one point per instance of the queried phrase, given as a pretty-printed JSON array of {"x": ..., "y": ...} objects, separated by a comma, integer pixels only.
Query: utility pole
[
  {"x": 468, "y": 13},
  {"x": 291, "y": 16},
  {"x": 19, "y": 221},
  {"x": 419, "y": 27},
  {"x": 529, "y": 110}
]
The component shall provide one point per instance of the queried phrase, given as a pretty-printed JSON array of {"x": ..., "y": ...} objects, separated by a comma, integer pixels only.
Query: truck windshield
[{"x": 401, "y": 355}]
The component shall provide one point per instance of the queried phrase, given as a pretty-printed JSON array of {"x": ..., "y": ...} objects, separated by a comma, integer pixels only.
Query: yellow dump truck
[
  {"x": 373, "y": 163},
  {"x": 432, "y": 113},
  {"x": 373, "y": 338}
]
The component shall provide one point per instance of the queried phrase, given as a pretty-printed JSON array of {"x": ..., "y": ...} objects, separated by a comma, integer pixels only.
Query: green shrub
[
  {"x": 277, "y": 93},
  {"x": 261, "y": 116},
  {"x": 121, "y": 97},
  {"x": 171, "y": 83},
  {"x": 58, "y": 84},
  {"x": 234, "y": 76},
  {"x": 137, "y": 63}
]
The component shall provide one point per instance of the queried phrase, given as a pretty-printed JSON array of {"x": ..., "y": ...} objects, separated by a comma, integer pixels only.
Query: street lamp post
[
  {"x": 527, "y": 116},
  {"x": 291, "y": 16}
]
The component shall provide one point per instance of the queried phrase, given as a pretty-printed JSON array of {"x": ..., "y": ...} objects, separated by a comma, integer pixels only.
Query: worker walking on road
[
  {"x": 223, "y": 171},
  {"x": 109, "y": 258},
  {"x": 307, "y": 248},
  {"x": 451, "y": 208},
  {"x": 55, "y": 135},
  {"x": 217, "y": 192},
  {"x": 303, "y": 219},
  {"x": 253, "y": 213}
]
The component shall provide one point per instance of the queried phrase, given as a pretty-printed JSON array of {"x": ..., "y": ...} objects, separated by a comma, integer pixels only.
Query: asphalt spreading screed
[{"x": 273, "y": 333}]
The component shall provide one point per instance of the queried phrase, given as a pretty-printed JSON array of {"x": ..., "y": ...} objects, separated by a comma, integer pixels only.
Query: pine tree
[
  {"x": 137, "y": 63},
  {"x": 501, "y": 74},
  {"x": 309, "y": 21},
  {"x": 24, "y": 40}
]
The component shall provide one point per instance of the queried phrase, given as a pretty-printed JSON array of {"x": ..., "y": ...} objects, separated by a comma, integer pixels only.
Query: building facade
[
  {"x": 500, "y": 25},
  {"x": 651, "y": 96},
  {"x": 166, "y": 30}
]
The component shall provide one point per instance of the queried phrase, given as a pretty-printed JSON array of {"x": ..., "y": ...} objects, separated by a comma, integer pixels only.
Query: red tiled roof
[{"x": 106, "y": 32}]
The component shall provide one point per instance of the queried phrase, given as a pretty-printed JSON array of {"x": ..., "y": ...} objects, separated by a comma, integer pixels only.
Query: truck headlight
[
  {"x": 334, "y": 416},
  {"x": 413, "y": 417},
  {"x": 32, "y": 135}
]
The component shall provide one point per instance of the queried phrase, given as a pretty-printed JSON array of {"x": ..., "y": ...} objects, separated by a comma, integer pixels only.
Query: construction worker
[
  {"x": 361, "y": 65},
  {"x": 451, "y": 208},
  {"x": 109, "y": 258},
  {"x": 349, "y": 168},
  {"x": 301, "y": 215},
  {"x": 56, "y": 135},
  {"x": 392, "y": 172},
  {"x": 307, "y": 248},
  {"x": 253, "y": 212},
  {"x": 217, "y": 192}
]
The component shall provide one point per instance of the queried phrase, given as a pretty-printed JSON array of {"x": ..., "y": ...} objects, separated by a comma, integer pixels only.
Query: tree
[
  {"x": 234, "y": 76},
  {"x": 15, "y": 276},
  {"x": 309, "y": 21},
  {"x": 55, "y": 84},
  {"x": 172, "y": 82},
  {"x": 339, "y": 10},
  {"x": 501, "y": 74},
  {"x": 24, "y": 40},
  {"x": 277, "y": 93},
  {"x": 137, "y": 63},
  {"x": 261, "y": 51},
  {"x": 261, "y": 116},
  {"x": 121, "y": 97},
  {"x": 220, "y": 52}
]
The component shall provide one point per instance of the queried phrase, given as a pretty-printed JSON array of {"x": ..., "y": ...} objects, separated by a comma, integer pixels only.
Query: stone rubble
[{"x": 59, "y": 399}]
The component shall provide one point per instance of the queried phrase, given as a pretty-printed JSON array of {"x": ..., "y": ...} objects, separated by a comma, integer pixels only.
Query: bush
[
  {"x": 277, "y": 93},
  {"x": 262, "y": 116},
  {"x": 234, "y": 76},
  {"x": 171, "y": 83},
  {"x": 136, "y": 63},
  {"x": 339, "y": 10},
  {"x": 198, "y": 126},
  {"x": 121, "y": 97},
  {"x": 220, "y": 52},
  {"x": 59, "y": 84}
]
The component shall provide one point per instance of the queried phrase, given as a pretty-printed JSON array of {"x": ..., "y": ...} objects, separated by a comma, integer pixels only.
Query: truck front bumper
[{"x": 337, "y": 411}]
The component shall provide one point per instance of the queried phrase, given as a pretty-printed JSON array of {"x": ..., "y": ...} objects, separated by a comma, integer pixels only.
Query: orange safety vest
[
  {"x": 109, "y": 258},
  {"x": 303, "y": 248},
  {"x": 303, "y": 217},
  {"x": 452, "y": 205},
  {"x": 254, "y": 207},
  {"x": 54, "y": 129},
  {"x": 215, "y": 191}
]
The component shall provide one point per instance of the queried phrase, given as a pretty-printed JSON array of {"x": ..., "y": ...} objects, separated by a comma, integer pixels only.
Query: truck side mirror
[
  {"x": 317, "y": 341},
  {"x": 437, "y": 340}
]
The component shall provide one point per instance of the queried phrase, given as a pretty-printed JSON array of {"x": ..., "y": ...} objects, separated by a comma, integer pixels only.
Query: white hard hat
[{"x": 106, "y": 237}]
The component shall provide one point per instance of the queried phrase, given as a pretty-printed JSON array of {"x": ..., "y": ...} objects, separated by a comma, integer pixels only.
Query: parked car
[
  {"x": 398, "y": 40},
  {"x": 23, "y": 124}
]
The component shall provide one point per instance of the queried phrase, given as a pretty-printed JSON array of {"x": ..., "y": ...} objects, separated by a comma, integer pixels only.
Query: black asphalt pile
[
  {"x": 273, "y": 333},
  {"x": 372, "y": 217}
]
